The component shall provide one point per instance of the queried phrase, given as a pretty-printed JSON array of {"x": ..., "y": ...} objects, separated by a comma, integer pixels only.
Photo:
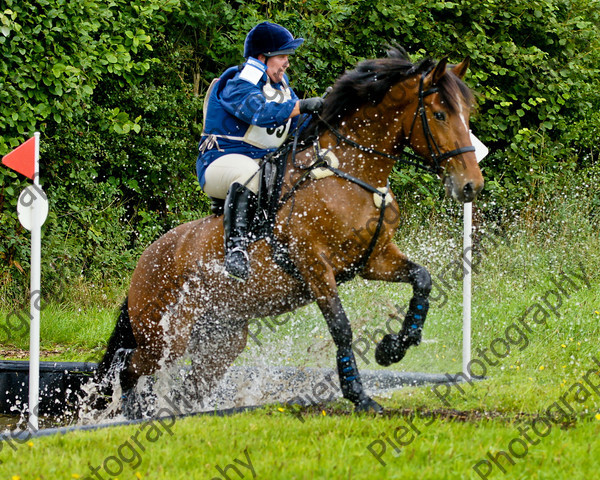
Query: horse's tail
[{"x": 122, "y": 338}]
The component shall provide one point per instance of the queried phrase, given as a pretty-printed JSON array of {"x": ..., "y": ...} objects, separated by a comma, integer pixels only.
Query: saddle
[{"x": 271, "y": 173}]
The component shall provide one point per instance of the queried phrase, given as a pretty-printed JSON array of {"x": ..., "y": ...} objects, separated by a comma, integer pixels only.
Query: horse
[{"x": 333, "y": 219}]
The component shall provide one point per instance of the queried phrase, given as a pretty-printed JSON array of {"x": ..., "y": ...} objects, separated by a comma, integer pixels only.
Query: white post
[
  {"x": 467, "y": 257},
  {"x": 35, "y": 301}
]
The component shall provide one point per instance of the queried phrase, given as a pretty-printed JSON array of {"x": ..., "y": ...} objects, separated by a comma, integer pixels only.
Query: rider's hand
[{"x": 311, "y": 105}]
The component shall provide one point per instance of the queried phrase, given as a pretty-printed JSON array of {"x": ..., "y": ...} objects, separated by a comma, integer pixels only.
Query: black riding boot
[{"x": 240, "y": 205}]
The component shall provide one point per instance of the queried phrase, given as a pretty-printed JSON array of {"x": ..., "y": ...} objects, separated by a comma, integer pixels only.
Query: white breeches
[{"x": 228, "y": 169}]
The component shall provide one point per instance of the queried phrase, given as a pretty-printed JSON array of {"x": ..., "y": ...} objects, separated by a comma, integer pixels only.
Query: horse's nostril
[{"x": 468, "y": 191}]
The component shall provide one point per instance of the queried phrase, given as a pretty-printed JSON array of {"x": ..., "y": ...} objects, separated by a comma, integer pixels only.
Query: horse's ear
[
  {"x": 461, "y": 69},
  {"x": 440, "y": 71}
]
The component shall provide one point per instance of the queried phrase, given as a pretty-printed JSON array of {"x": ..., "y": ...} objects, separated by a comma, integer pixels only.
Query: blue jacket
[{"x": 245, "y": 114}]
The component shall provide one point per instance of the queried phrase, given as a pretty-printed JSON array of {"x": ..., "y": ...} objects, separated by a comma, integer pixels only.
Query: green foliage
[
  {"x": 535, "y": 69},
  {"x": 54, "y": 55},
  {"x": 116, "y": 89},
  {"x": 56, "y": 58}
]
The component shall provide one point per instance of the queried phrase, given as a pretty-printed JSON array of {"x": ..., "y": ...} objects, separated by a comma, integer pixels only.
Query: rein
[
  {"x": 397, "y": 158},
  {"x": 436, "y": 155}
]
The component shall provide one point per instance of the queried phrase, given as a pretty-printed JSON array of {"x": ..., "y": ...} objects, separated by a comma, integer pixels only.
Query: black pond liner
[
  {"x": 59, "y": 384},
  {"x": 61, "y": 381}
]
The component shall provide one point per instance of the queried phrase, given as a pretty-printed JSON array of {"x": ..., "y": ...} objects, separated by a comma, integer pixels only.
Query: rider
[{"x": 248, "y": 113}]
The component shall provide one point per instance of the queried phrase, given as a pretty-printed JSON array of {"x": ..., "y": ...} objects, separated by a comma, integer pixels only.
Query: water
[{"x": 240, "y": 387}]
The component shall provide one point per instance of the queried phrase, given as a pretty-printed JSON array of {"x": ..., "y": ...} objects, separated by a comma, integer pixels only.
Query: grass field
[{"x": 536, "y": 325}]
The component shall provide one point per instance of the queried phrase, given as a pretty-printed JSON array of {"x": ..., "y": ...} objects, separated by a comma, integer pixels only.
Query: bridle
[
  {"x": 436, "y": 154},
  {"x": 434, "y": 150}
]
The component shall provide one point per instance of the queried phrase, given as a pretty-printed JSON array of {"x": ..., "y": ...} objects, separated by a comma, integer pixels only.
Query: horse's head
[
  {"x": 439, "y": 129},
  {"x": 385, "y": 104}
]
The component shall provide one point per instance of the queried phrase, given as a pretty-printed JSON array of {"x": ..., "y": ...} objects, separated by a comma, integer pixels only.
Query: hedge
[{"x": 116, "y": 88}]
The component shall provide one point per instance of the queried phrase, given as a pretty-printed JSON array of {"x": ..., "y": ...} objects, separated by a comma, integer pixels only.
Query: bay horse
[{"x": 180, "y": 297}]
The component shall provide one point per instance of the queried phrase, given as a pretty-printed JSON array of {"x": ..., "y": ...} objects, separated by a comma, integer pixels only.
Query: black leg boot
[
  {"x": 351, "y": 385},
  {"x": 392, "y": 347},
  {"x": 240, "y": 205}
]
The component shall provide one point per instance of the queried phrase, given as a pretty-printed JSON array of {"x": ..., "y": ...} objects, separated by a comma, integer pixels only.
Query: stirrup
[{"x": 237, "y": 266}]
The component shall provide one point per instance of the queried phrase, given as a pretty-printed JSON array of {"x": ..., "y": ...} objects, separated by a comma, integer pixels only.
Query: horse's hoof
[
  {"x": 390, "y": 350},
  {"x": 368, "y": 405}
]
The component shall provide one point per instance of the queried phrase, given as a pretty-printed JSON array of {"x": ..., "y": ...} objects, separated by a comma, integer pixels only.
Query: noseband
[{"x": 434, "y": 150}]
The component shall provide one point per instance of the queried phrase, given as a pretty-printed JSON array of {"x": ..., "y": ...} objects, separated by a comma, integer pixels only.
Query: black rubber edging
[
  {"x": 22, "y": 436},
  {"x": 55, "y": 377}
]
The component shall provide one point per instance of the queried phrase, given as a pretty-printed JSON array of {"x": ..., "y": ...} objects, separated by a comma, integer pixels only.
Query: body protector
[{"x": 245, "y": 113}]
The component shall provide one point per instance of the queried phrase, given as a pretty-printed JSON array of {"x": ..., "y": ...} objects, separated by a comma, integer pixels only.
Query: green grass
[
  {"x": 546, "y": 362},
  {"x": 66, "y": 333},
  {"x": 325, "y": 447}
]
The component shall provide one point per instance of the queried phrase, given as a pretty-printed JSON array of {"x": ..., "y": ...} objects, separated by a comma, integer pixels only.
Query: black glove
[{"x": 311, "y": 105}]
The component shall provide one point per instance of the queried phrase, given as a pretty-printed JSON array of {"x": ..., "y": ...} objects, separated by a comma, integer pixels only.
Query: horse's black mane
[{"x": 371, "y": 80}]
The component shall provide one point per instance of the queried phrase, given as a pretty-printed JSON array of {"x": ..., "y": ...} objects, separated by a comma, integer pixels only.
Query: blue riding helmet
[{"x": 270, "y": 39}]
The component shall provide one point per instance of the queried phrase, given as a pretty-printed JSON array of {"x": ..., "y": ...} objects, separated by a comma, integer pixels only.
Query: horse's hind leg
[
  {"x": 393, "y": 266},
  {"x": 162, "y": 335},
  {"x": 214, "y": 345}
]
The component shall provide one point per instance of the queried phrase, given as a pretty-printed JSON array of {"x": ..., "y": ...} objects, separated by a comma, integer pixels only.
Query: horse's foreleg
[
  {"x": 325, "y": 290},
  {"x": 393, "y": 266}
]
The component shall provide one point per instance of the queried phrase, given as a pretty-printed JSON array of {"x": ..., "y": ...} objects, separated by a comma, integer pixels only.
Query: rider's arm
[
  {"x": 248, "y": 103},
  {"x": 296, "y": 110}
]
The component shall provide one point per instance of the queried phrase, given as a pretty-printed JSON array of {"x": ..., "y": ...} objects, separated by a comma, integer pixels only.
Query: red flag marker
[
  {"x": 32, "y": 209},
  {"x": 22, "y": 158}
]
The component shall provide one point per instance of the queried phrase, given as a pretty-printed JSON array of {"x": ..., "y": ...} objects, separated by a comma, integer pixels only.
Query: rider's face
[{"x": 276, "y": 67}]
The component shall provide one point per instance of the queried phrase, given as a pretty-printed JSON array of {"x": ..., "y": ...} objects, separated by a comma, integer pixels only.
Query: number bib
[{"x": 268, "y": 138}]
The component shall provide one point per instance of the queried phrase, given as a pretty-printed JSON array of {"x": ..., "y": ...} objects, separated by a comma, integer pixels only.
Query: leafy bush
[
  {"x": 116, "y": 88},
  {"x": 55, "y": 60}
]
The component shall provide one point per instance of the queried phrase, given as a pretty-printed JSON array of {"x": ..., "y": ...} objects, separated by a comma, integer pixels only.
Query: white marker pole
[
  {"x": 467, "y": 262},
  {"x": 480, "y": 153},
  {"x": 35, "y": 299}
]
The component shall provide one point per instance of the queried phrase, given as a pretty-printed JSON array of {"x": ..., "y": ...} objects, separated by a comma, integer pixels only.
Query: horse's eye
[{"x": 440, "y": 116}]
